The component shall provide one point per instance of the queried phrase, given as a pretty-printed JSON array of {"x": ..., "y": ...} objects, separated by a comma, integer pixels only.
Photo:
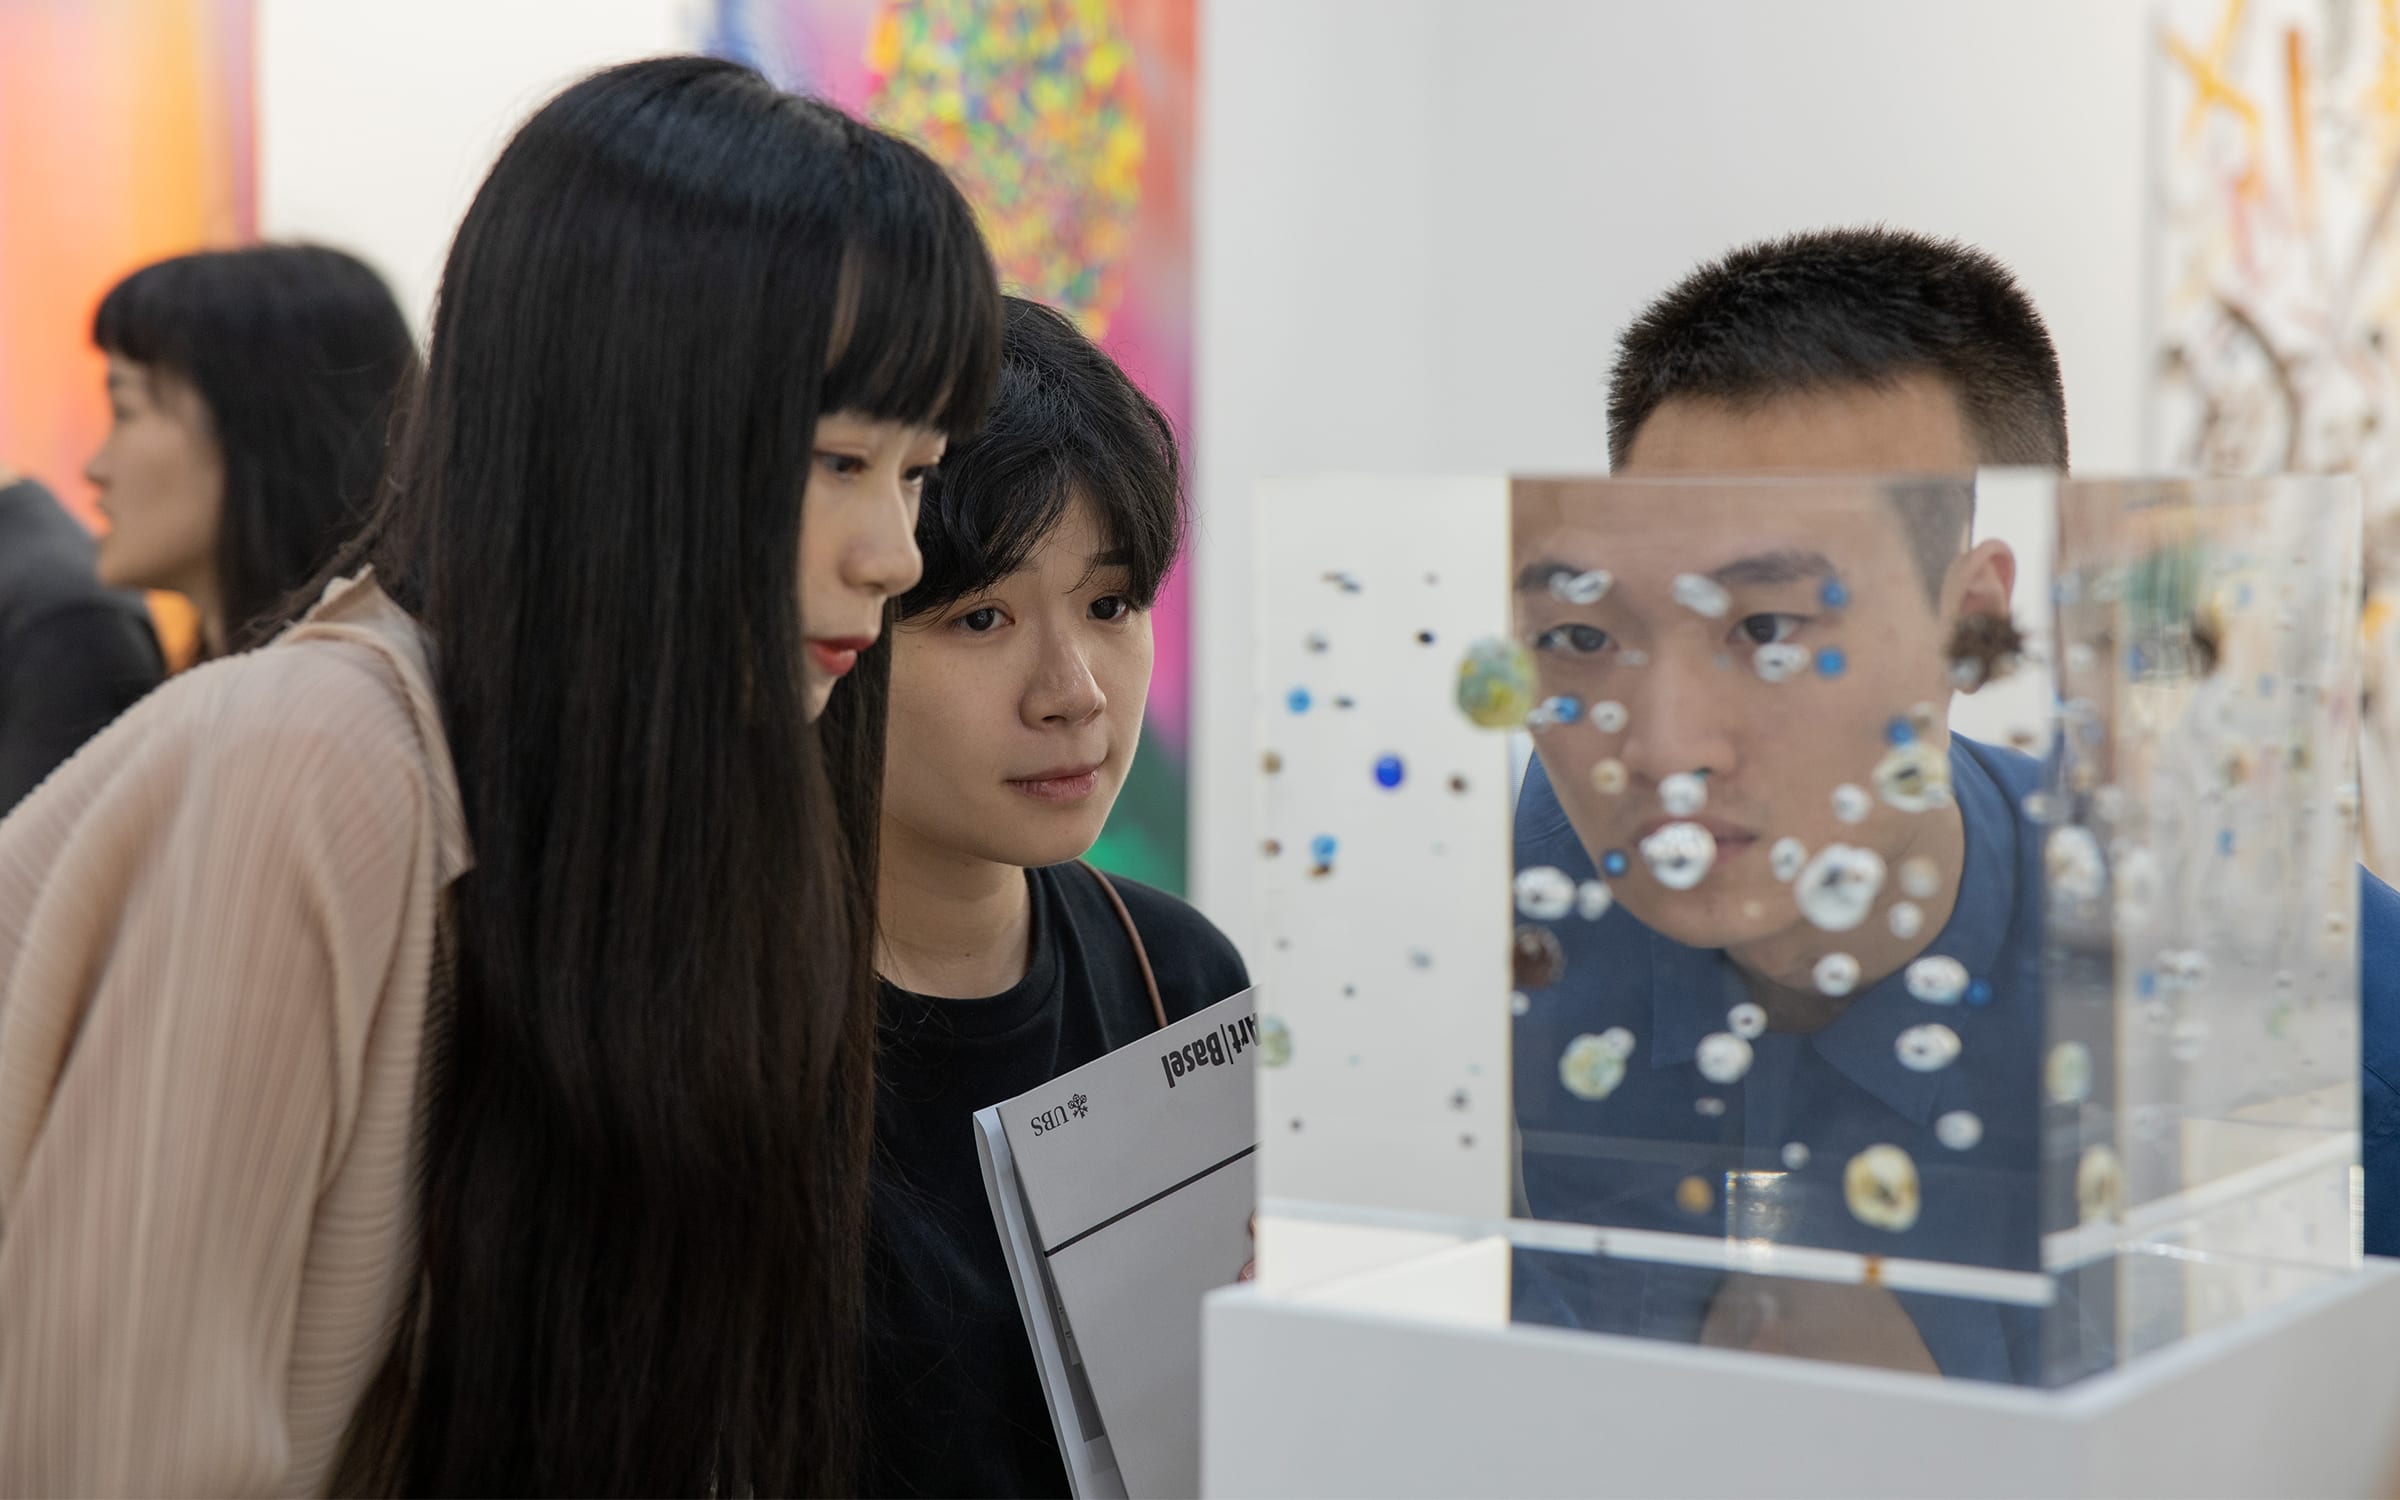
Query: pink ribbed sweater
[{"x": 217, "y": 936}]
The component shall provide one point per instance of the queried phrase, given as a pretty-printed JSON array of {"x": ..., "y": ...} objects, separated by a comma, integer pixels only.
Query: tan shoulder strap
[{"x": 1141, "y": 955}]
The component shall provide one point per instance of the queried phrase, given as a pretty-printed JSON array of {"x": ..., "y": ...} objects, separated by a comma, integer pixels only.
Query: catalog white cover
[{"x": 1136, "y": 1179}]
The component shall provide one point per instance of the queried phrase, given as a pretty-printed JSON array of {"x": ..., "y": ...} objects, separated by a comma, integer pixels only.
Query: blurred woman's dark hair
[{"x": 297, "y": 353}]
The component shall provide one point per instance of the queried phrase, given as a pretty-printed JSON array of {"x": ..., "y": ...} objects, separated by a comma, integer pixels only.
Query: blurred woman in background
[{"x": 250, "y": 393}]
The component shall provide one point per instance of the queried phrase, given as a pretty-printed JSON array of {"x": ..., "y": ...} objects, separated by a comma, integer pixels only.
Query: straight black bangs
[
  {"x": 147, "y": 317},
  {"x": 916, "y": 336},
  {"x": 1065, "y": 422}
]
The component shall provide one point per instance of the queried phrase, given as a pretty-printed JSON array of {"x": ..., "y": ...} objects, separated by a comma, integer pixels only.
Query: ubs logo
[{"x": 1076, "y": 1107}]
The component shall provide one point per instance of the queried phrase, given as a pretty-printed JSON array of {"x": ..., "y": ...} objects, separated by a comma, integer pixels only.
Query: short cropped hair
[
  {"x": 1066, "y": 421},
  {"x": 1841, "y": 307}
]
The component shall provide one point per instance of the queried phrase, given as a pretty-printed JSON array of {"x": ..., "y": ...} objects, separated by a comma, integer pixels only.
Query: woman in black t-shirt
[{"x": 1017, "y": 676}]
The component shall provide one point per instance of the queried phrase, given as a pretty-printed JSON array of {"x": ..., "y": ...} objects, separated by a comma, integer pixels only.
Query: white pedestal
[{"x": 1409, "y": 1381}]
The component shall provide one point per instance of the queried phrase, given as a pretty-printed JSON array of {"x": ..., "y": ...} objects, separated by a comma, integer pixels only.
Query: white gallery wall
[
  {"x": 1421, "y": 222},
  {"x": 377, "y": 122}
]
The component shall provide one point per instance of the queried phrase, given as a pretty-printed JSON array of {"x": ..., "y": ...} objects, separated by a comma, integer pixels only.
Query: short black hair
[
  {"x": 1065, "y": 421},
  {"x": 1838, "y": 307}
]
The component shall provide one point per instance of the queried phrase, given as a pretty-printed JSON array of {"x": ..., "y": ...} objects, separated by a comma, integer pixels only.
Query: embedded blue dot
[
  {"x": 1831, "y": 662},
  {"x": 1980, "y": 992},
  {"x": 1298, "y": 700},
  {"x": 1321, "y": 848},
  {"x": 1614, "y": 862},
  {"x": 2224, "y": 841},
  {"x": 1900, "y": 732},
  {"x": 1835, "y": 593},
  {"x": 2147, "y": 984},
  {"x": 1389, "y": 771}
]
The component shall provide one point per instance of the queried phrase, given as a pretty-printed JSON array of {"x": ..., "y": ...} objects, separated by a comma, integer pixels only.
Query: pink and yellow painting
[
  {"x": 1069, "y": 125},
  {"x": 125, "y": 135}
]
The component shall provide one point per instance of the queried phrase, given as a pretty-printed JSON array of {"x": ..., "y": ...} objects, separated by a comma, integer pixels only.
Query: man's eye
[
  {"x": 1111, "y": 607},
  {"x": 980, "y": 621},
  {"x": 1577, "y": 640},
  {"x": 842, "y": 465},
  {"x": 1768, "y": 630}
]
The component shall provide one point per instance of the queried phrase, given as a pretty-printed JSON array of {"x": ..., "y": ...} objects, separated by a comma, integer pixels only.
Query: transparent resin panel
[{"x": 1904, "y": 922}]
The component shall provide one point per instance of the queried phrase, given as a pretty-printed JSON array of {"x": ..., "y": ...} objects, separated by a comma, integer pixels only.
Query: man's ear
[
  {"x": 1983, "y": 581},
  {"x": 1978, "y": 628}
]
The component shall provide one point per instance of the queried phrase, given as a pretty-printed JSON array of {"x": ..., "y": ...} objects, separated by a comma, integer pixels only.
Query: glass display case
[{"x": 1904, "y": 922}]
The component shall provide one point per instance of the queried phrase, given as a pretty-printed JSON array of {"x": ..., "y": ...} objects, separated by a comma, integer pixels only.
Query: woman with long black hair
[{"x": 434, "y": 1047}]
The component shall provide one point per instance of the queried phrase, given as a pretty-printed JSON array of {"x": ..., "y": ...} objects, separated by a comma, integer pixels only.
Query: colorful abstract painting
[
  {"x": 125, "y": 135},
  {"x": 2278, "y": 277},
  {"x": 1069, "y": 124}
]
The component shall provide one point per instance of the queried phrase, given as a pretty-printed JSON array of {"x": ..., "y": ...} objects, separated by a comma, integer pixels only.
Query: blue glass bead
[
  {"x": 1614, "y": 862},
  {"x": 1389, "y": 771},
  {"x": 1298, "y": 700},
  {"x": 1321, "y": 848},
  {"x": 1831, "y": 662}
]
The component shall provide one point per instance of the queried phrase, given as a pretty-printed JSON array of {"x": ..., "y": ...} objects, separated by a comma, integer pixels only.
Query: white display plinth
[{"x": 1408, "y": 1380}]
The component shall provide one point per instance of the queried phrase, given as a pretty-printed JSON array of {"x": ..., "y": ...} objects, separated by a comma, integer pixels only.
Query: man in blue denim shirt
[{"x": 1859, "y": 352}]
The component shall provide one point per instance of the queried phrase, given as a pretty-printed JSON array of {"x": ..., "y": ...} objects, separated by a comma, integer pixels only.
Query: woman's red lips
[{"x": 835, "y": 655}]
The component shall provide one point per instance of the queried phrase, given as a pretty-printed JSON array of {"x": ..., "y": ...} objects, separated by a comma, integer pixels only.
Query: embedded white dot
[
  {"x": 1787, "y": 859},
  {"x": 1914, "y": 778},
  {"x": 1683, "y": 794},
  {"x": 1704, "y": 596},
  {"x": 1937, "y": 980},
  {"x": 1836, "y": 974},
  {"x": 1781, "y": 661},
  {"x": 1680, "y": 855},
  {"x": 1927, "y": 1049},
  {"x": 1837, "y": 888},
  {"x": 1723, "y": 1057},
  {"x": 1960, "y": 1130},
  {"x": 1545, "y": 893},
  {"x": 1581, "y": 588},
  {"x": 1590, "y": 1069}
]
